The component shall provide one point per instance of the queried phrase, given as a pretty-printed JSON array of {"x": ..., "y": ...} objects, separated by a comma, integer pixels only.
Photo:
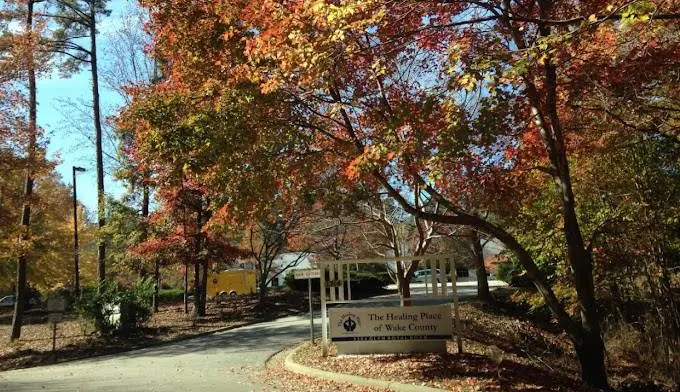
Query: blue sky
[{"x": 64, "y": 124}]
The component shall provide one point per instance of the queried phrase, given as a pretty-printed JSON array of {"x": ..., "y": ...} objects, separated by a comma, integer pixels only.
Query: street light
[{"x": 75, "y": 231}]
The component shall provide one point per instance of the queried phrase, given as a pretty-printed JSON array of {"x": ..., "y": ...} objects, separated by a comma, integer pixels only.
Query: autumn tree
[
  {"x": 130, "y": 67},
  {"x": 390, "y": 231},
  {"x": 75, "y": 20},
  {"x": 19, "y": 62},
  {"x": 267, "y": 240},
  {"x": 470, "y": 101},
  {"x": 184, "y": 232}
]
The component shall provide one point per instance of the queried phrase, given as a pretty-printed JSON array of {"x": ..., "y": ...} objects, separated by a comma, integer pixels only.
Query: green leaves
[{"x": 637, "y": 12}]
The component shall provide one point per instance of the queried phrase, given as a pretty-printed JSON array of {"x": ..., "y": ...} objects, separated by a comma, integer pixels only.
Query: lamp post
[{"x": 75, "y": 232}]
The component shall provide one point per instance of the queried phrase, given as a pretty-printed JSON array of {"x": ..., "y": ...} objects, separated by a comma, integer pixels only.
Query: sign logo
[{"x": 349, "y": 322}]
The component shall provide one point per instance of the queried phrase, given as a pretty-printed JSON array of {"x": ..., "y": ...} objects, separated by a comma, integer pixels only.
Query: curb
[{"x": 357, "y": 380}]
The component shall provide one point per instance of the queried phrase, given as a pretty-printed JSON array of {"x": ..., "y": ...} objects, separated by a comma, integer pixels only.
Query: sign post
[
  {"x": 309, "y": 274},
  {"x": 311, "y": 309},
  {"x": 456, "y": 313},
  {"x": 55, "y": 310}
]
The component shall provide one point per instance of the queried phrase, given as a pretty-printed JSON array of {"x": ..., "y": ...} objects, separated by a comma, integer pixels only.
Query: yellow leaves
[
  {"x": 294, "y": 35},
  {"x": 318, "y": 7},
  {"x": 270, "y": 85},
  {"x": 341, "y": 12},
  {"x": 451, "y": 112},
  {"x": 467, "y": 82},
  {"x": 592, "y": 18},
  {"x": 337, "y": 36},
  {"x": 378, "y": 68},
  {"x": 369, "y": 159}
]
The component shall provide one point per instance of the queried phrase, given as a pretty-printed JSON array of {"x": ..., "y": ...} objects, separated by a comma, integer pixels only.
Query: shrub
[
  {"x": 135, "y": 305},
  {"x": 117, "y": 309},
  {"x": 170, "y": 294},
  {"x": 369, "y": 281},
  {"x": 366, "y": 281}
]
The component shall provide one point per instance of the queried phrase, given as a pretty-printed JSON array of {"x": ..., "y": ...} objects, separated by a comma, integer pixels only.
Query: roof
[{"x": 491, "y": 261}]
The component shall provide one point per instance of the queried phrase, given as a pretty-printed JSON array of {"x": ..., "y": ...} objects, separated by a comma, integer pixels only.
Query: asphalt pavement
[
  {"x": 230, "y": 361},
  {"x": 225, "y": 361}
]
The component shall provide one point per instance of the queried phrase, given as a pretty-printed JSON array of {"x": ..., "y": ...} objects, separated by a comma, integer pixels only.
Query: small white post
[
  {"x": 341, "y": 278},
  {"x": 442, "y": 275},
  {"x": 349, "y": 283},
  {"x": 433, "y": 275},
  {"x": 456, "y": 314}
]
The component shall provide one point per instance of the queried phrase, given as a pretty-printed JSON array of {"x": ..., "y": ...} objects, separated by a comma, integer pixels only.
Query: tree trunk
[
  {"x": 186, "y": 263},
  {"x": 544, "y": 112},
  {"x": 591, "y": 356},
  {"x": 145, "y": 234},
  {"x": 199, "y": 299},
  {"x": 101, "y": 213},
  {"x": 186, "y": 286},
  {"x": 263, "y": 272},
  {"x": 76, "y": 251},
  {"x": 405, "y": 289},
  {"x": 20, "y": 298},
  {"x": 591, "y": 346},
  {"x": 204, "y": 288},
  {"x": 404, "y": 286},
  {"x": 157, "y": 285},
  {"x": 197, "y": 288},
  {"x": 482, "y": 282},
  {"x": 578, "y": 257}
]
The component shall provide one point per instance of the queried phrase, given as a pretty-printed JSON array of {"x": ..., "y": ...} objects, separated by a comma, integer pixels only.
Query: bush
[
  {"x": 369, "y": 279},
  {"x": 641, "y": 343},
  {"x": 117, "y": 309},
  {"x": 170, "y": 294}
]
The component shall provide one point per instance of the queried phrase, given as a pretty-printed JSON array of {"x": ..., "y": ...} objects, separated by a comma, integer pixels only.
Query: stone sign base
[{"x": 391, "y": 347}]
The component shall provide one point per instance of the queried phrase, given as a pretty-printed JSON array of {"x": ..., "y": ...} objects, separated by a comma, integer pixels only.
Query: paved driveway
[{"x": 226, "y": 361}]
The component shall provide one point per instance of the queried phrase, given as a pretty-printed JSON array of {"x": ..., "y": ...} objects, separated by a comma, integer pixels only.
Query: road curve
[{"x": 224, "y": 361}]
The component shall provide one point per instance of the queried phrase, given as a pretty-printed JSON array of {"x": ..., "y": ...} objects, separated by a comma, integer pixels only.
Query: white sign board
[
  {"x": 54, "y": 317},
  {"x": 307, "y": 274},
  {"x": 56, "y": 304},
  {"x": 390, "y": 329}
]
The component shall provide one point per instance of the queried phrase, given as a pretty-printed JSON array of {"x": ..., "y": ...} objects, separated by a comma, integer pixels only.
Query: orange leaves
[{"x": 374, "y": 156}]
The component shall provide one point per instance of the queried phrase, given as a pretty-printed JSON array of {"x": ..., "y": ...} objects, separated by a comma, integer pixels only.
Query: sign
[
  {"x": 56, "y": 305},
  {"x": 307, "y": 274},
  {"x": 395, "y": 329},
  {"x": 54, "y": 318}
]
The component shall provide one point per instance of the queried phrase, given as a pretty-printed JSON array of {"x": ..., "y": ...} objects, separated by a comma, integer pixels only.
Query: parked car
[
  {"x": 425, "y": 276},
  {"x": 7, "y": 301}
]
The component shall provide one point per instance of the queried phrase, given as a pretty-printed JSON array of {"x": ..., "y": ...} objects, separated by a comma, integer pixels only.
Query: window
[{"x": 462, "y": 272}]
